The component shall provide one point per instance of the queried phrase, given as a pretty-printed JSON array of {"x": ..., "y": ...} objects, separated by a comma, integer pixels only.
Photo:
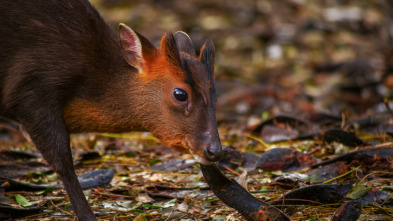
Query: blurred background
[
  {"x": 306, "y": 76},
  {"x": 281, "y": 57}
]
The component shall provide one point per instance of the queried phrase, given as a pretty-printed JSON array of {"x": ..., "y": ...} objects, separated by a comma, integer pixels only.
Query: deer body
[{"x": 63, "y": 70}]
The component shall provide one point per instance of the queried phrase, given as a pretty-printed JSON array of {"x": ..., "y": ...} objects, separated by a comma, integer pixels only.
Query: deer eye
[{"x": 180, "y": 95}]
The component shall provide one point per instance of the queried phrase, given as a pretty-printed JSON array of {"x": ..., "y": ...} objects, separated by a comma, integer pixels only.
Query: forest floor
[{"x": 304, "y": 111}]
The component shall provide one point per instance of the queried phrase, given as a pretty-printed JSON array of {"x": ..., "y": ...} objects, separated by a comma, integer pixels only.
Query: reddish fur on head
[{"x": 185, "y": 126}]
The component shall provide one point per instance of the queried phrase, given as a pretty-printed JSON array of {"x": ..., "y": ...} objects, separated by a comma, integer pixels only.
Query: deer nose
[{"x": 213, "y": 153}]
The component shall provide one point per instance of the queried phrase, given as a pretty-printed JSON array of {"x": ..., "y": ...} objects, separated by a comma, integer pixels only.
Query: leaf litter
[{"x": 305, "y": 93}]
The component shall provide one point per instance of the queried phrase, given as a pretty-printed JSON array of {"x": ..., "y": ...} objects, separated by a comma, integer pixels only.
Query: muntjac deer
[{"x": 63, "y": 70}]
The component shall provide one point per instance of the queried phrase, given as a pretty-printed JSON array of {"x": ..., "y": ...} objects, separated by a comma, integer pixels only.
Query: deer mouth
[
  {"x": 199, "y": 159},
  {"x": 191, "y": 149},
  {"x": 202, "y": 153}
]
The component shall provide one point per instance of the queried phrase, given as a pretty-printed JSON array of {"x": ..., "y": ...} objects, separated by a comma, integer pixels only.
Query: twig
[
  {"x": 112, "y": 195},
  {"x": 386, "y": 102},
  {"x": 259, "y": 140},
  {"x": 372, "y": 173},
  {"x": 169, "y": 215},
  {"x": 232, "y": 171},
  {"x": 68, "y": 213},
  {"x": 342, "y": 175}
]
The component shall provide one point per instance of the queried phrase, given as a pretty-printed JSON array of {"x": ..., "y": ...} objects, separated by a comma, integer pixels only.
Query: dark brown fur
[{"x": 62, "y": 71}]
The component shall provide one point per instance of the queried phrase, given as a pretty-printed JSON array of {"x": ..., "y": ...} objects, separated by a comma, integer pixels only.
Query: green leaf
[
  {"x": 171, "y": 201},
  {"x": 35, "y": 174},
  {"x": 219, "y": 218},
  {"x": 154, "y": 161},
  {"x": 44, "y": 192},
  {"x": 265, "y": 115},
  {"x": 39, "y": 180},
  {"x": 357, "y": 192},
  {"x": 22, "y": 201},
  {"x": 263, "y": 189},
  {"x": 152, "y": 207},
  {"x": 52, "y": 177}
]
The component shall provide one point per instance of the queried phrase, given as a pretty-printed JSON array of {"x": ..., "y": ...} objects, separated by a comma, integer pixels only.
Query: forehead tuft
[
  {"x": 198, "y": 76},
  {"x": 196, "y": 71},
  {"x": 179, "y": 53}
]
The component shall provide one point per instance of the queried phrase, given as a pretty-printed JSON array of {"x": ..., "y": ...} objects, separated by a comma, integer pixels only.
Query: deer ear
[
  {"x": 131, "y": 47},
  {"x": 184, "y": 43},
  {"x": 207, "y": 56}
]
